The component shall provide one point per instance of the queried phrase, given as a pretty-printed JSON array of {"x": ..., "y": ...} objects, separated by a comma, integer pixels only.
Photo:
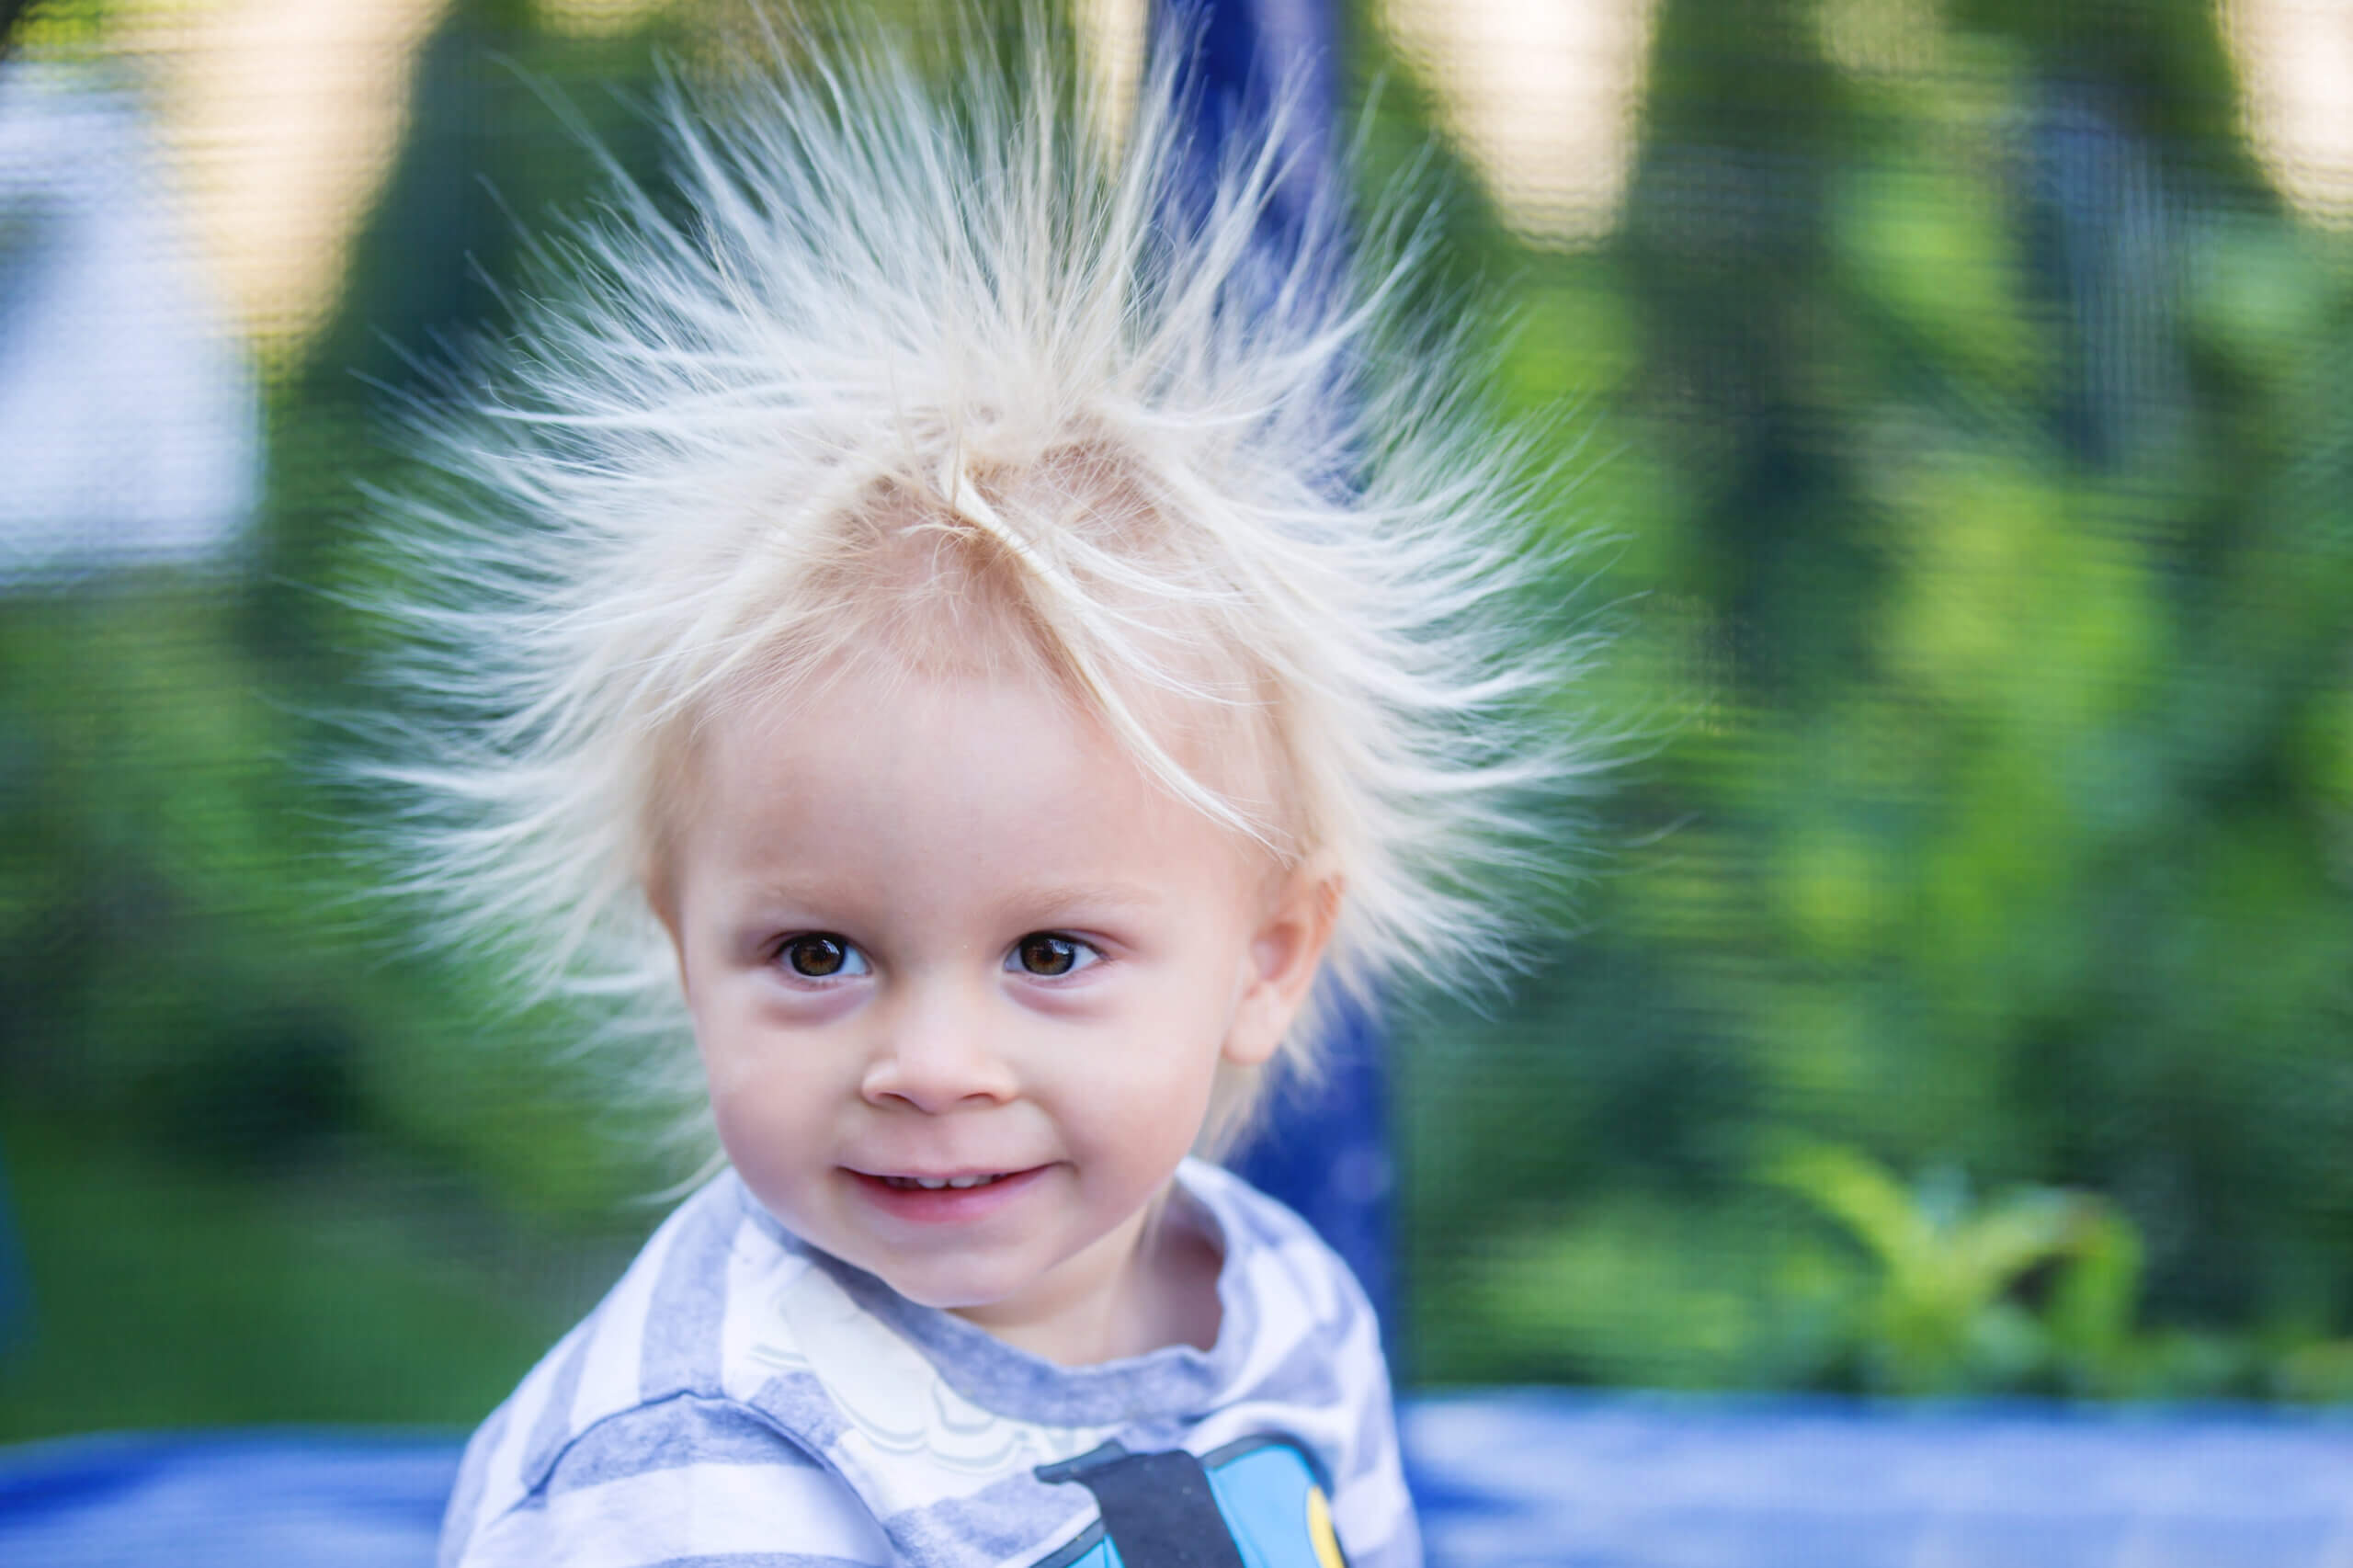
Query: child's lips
[{"x": 912, "y": 1197}]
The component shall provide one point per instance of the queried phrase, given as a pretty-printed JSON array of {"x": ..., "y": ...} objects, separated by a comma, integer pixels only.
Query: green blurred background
[{"x": 1962, "y": 1002}]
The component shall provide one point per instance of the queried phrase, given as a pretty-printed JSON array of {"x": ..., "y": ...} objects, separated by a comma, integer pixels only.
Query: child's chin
[{"x": 953, "y": 1291}]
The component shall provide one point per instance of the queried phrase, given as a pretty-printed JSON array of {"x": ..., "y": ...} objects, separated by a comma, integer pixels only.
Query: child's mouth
[
  {"x": 947, "y": 1199},
  {"x": 934, "y": 1184}
]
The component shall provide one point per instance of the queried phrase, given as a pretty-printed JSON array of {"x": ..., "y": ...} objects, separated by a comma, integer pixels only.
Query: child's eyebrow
[
  {"x": 1086, "y": 895},
  {"x": 1041, "y": 898}
]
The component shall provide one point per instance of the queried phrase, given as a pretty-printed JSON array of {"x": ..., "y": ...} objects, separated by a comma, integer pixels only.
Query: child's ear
[{"x": 1284, "y": 953}]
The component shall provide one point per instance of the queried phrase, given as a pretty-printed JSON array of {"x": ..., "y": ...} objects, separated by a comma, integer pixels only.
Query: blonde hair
[{"x": 905, "y": 341}]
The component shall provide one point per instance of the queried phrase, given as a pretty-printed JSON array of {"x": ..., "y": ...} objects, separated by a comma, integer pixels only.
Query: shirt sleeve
[
  {"x": 1372, "y": 1512},
  {"x": 687, "y": 1479}
]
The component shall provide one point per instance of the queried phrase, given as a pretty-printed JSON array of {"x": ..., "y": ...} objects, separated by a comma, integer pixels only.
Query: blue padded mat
[
  {"x": 1556, "y": 1479},
  {"x": 266, "y": 1499},
  {"x": 1508, "y": 1480}
]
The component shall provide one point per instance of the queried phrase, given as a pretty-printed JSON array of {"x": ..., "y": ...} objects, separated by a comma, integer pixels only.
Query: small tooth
[
  {"x": 930, "y": 1184},
  {"x": 966, "y": 1181}
]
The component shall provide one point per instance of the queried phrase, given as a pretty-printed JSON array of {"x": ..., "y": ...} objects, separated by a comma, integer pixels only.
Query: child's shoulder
[
  {"x": 639, "y": 1418},
  {"x": 659, "y": 1333}
]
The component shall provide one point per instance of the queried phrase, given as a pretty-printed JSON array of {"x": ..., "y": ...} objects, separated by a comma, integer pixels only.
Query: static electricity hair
[{"x": 902, "y": 370}]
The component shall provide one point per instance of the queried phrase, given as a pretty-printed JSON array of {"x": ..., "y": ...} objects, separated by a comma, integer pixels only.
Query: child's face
[{"x": 938, "y": 930}]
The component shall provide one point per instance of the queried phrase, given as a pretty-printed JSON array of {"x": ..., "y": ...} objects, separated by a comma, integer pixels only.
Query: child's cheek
[
  {"x": 1154, "y": 1092},
  {"x": 770, "y": 1147},
  {"x": 777, "y": 1005},
  {"x": 747, "y": 1050}
]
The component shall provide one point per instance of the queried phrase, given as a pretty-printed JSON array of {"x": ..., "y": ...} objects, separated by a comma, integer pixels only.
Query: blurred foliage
[
  {"x": 205, "y": 1025},
  {"x": 1970, "y": 425},
  {"x": 1937, "y": 1315},
  {"x": 1988, "y": 433}
]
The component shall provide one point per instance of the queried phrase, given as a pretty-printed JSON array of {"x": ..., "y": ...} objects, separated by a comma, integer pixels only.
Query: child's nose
[{"x": 935, "y": 1053}]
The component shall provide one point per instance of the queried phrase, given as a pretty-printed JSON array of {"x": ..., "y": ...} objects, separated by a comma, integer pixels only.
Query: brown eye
[
  {"x": 818, "y": 957},
  {"x": 1041, "y": 953}
]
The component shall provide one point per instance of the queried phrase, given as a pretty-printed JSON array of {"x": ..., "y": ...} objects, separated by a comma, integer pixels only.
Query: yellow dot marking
[{"x": 1319, "y": 1531}]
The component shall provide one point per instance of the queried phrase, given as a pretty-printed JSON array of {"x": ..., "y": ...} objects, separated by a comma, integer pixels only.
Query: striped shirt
[{"x": 741, "y": 1399}]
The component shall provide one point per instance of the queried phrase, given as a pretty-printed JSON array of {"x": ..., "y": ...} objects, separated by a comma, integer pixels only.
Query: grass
[{"x": 160, "y": 1298}]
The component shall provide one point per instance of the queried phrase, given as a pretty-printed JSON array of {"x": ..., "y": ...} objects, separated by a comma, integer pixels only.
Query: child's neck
[{"x": 1157, "y": 1288}]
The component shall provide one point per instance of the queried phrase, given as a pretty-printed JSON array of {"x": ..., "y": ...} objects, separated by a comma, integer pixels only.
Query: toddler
[{"x": 1000, "y": 646}]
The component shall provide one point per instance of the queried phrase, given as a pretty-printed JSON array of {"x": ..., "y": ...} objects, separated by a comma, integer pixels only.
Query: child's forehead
[
  {"x": 907, "y": 596},
  {"x": 884, "y": 684},
  {"x": 904, "y": 587},
  {"x": 856, "y": 773},
  {"x": 878, "y": 695}
]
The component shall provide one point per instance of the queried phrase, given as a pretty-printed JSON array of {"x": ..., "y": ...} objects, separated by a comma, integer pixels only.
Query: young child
[{"x": 999, "y": 645}]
